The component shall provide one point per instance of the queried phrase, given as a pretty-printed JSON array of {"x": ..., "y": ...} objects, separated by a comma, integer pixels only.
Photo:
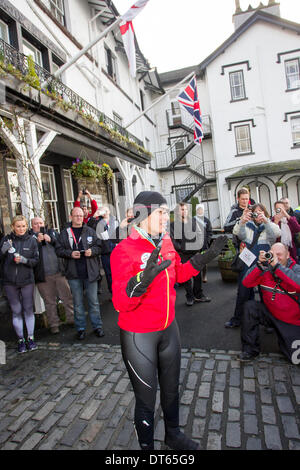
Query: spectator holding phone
[
  {"x": 87, "y": 214},
  {"x": 19, "y": 255},
  {"x": 78, "y": 246}
]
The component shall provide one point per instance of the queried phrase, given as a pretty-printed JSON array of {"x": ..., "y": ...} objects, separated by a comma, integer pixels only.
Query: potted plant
[
  {"x": 91, "y": 171},
  {"x": 224, "y": 261}
]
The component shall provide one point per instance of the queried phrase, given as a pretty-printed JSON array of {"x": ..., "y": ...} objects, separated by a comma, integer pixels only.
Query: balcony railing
[
  {"x": 11, "y": 56},
  {"x": 182, "y": 117}
]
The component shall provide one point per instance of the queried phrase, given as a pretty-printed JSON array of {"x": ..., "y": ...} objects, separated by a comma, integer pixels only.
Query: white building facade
[
  {"x": 84, "y": 114},
  {"x": 249, "y": 90}
]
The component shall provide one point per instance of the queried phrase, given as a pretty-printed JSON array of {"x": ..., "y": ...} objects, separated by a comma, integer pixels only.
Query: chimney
[
  {"x": 237, "y": 7},
  {"x": 240, "y": 16}
]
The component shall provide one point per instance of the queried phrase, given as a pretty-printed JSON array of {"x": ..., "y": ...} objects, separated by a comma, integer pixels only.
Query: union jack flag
[{"x": 190, "y": 101}]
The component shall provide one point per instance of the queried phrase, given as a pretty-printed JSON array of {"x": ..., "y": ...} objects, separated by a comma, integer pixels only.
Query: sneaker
[
  {"x": 80, "y": 334},
  {"x": 179, "y": 441},
  {"x": 246, "y": 356},
  {"x": 204, "y": 298},
  {"x": 22, "y": 346},
  {"x": 31, "y": 346},
  {"x": 99, "y": 332},
  {"x": 232, "y": 324},
  {"x": 189, "y": 302}
]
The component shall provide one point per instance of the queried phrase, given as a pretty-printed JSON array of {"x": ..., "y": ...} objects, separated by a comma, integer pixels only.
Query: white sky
[{"x": 173, "y": 34}]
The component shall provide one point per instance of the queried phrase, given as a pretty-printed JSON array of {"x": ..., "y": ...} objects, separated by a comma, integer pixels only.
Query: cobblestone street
[{"x": 78, "y": 396}]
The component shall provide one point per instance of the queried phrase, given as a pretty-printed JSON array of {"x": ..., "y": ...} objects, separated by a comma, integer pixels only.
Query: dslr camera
[
  {"x": 278, "y": 210},
  {"x": 84, "y": 191},
  {"x": 269, "y": 256}
]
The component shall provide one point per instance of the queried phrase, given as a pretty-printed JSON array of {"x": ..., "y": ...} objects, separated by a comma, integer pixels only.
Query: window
[
  {"x": 111, "y": 64},
  {"x": 57, "y": 9},
  {"x": 209, "y": 193},
  {"x": 295, "y": 124},
  {"x": 118, "y": 120},
  {"x": 175, "y": 113},
  {"x": 50, "y": 196},
  {"x": 29, "y": 49},
  {"x": 237, "y": 85},
  {"x": 292, "y": 71},
  {"x": 4, "y": 32},
  {"x": 243, "y": 139},
  {"x": 14, "y": 187},
  {"x": 69, "y": 189}
]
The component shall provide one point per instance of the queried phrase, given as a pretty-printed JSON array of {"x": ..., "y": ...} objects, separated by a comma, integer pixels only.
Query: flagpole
[
  {"x": 160, "y": 99},
  {"x": 85, "y": 49}
]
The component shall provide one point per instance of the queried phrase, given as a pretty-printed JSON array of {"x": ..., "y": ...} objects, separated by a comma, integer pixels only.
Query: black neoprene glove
[
  {"x": 198, "y": 261},
  {"x": 138, "y": 284}
]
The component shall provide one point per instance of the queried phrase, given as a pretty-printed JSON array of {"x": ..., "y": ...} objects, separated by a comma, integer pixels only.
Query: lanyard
[
  {"x": 146, "y": 235},
  {"x": 74, "y": 238}
]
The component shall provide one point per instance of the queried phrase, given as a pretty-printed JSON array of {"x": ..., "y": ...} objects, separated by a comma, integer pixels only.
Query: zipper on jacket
[{"x": 167, "y": 276}]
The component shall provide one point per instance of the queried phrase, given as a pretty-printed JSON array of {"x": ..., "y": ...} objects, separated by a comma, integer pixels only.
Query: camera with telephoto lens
[{"x": 269, "y": 256}]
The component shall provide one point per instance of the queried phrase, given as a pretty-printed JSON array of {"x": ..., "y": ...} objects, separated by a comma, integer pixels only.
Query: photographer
[
  {"x": 279, "y": 281},
  {"x": 78, "y": 246},
  {"x": 48, "y": 275},
  {"x": 86, "y": 213},
  {"x": 288, "y": 225},
  {"x": 254, "y": 222}
]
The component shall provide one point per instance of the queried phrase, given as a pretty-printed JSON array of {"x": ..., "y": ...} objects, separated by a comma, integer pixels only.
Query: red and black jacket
[
  {"x": 154, "y": 310},
  {"x": 273, "y": 287}
]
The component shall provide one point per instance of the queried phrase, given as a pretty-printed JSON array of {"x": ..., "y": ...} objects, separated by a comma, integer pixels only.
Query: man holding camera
[
  {"x": 87, "y": 214},
  {"x": 78, "y": 246},
  {"x": 253, "y": 226},
  {"x": 288, "y": 225},
  {"x": 278, "y": 277},
  {"x": 48, "y": 275}
]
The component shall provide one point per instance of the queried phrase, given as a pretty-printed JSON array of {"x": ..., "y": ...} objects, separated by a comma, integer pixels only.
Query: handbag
[{"x": 237, "y": 264}]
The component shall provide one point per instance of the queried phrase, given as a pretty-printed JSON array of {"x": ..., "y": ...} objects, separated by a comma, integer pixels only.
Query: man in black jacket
[
  {"x": 48, "y": 276},
  {"x": 78, "y": 246},
  {"x": 188, "y": 239},
  {"x": 237, "y": 209}
]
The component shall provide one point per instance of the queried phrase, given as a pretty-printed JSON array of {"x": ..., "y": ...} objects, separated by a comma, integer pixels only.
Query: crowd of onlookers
[
  {"x": 66, "y": 266},
  {"x": 269, "y": 249}
]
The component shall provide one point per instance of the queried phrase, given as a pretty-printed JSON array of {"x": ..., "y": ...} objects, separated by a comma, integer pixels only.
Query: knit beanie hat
[{"x": 146, "y": 202}]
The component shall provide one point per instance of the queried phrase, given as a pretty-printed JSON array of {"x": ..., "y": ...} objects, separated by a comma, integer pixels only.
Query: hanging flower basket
[{"x": 91, "y": 171}]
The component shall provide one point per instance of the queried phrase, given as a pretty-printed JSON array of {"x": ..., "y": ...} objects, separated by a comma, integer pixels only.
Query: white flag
[{"x": 127, "y": 32}]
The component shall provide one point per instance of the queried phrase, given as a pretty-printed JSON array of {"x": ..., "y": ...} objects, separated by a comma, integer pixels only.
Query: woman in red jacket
[{"x": 145, "y": 268}]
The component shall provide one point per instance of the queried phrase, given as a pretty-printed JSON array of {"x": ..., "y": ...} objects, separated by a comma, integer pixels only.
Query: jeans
[
  {"x": 243, "y": 294},
  {"x": 78, "y": 286},
  {"x": 106, "y": 266},
  {"x": 255, "y": 314}
]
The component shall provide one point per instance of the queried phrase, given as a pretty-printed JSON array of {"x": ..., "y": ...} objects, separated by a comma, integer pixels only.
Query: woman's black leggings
[{"x": 148, "y": 357}]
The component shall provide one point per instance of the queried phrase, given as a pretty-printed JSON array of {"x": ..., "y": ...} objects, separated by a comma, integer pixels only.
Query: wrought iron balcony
[{"x": 10, "y": 56}]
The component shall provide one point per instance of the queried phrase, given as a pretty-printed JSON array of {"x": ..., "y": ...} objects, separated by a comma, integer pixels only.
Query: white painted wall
[{"x": 267, "y": 102}]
